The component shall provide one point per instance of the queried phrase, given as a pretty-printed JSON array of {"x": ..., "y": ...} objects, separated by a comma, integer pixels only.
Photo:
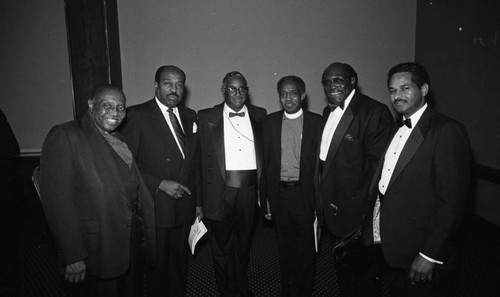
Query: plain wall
[
  {"x": 459, "y": 43},
  {"x": 265, "y": 40},
  {"x": 35, "y": 76}
]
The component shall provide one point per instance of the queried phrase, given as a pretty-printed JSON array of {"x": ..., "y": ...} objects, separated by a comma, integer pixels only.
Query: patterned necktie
[{"x": 177, "y": 128}]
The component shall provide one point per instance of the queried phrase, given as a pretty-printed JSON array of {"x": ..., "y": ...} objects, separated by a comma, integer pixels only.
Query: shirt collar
[
  {"x": 164, "y": 108},
  {"x": 417, "y": 115},
  {"x": 349, "y": 98},
  {"x": 293, "y": 116},
  {"x": 228, "y": 109}
]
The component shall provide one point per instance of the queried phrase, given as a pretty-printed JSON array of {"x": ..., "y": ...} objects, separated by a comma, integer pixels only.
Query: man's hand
[
  {"x": 421, "y": 270},
  {"x": 75, "y": 272},
  {"x": 199, "y": 212},
  {"x": 173, "y": 189}
]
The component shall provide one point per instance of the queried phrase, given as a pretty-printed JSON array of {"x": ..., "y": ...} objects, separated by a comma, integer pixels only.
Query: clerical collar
[
  {"x": 417, "y": 115},
  {"x": 293, "y": 116}
]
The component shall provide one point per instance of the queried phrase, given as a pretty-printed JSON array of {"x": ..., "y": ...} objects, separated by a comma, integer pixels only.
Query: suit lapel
[
  {"x": 276, "y": 128},
  {"x": 217, "y": 128},
  {"x": 340, "y": 131},
  {"x": 306, "y": 141},
  {"x": 165, "y": 136},
  {"x": 375, "y": 180},
  {"x": 104, "y": 153},
  {"x": 412, "y": 144},
  {"x": 257, "y": 137}
]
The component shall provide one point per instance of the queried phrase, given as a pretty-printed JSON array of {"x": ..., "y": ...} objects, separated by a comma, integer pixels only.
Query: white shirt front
[
  {"x": 164, "y": 111},
  {"x": 239, "y": 145},
  {"x": 331, "y": 125}
]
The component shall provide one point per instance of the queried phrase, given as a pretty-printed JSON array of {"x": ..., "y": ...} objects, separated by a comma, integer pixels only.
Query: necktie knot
[
  {"x": 406, "y": 123},
  {"x": 334, "y": 106},
  {"x": 236, "y": 114}
]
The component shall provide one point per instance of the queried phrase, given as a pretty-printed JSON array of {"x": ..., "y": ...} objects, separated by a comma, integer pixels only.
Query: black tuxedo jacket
[
  {"x": 356, "y": 148},
  {"x": 425, "y": 198},
  {"x": 159, "y": 158},
  {"x": 269, "y": 185},
  {"x": 83, "y": 190},
  {"x": 212, "y": 168}
]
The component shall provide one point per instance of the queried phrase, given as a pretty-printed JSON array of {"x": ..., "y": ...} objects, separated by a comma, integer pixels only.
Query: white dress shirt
[
  {"x": 331, "y": 126},
  {"x": 164, "y": 111},
  {"x": 239, "y": 145}
]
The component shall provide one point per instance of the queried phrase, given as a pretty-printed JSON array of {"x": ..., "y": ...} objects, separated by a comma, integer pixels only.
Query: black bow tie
[
  {"x": 406, "y": 122},
  {"x": 236, "y": 114},
  {"x": 333, "y": 106}
]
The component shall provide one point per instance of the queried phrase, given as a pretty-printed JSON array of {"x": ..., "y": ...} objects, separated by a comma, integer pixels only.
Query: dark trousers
[
  {"x": 378, "y": 277},
  {"x": 294, "y": 229},
  {"x": 129, "y": 284},
  {"x": 169, "y": 277},
  {"x": 230, "y": 241}
]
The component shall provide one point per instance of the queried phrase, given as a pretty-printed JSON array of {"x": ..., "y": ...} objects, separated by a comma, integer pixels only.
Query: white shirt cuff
[{"x": 430, "y": 259}]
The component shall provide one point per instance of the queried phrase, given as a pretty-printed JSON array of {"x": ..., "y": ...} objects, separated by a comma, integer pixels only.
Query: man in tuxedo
[
  {"x": 161, "y": 134},
  {"x": 355, "y": 131},
  {"x": 291, "y": 138},
  {"x": 95, "y": 201},
  {"x": 230, "y": 167},
  {"x": 418, "y": 194}
]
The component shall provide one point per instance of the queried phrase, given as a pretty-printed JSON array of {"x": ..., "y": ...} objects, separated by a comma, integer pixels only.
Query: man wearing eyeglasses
[
  {"x": 356, "y": 130},
  {"x": 161, "y": 134},
  {"x": 230, "y": 164}
]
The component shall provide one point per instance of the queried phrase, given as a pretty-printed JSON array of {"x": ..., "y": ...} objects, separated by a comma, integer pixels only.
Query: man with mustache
[
  {"x": 161, "y": 134},
  {"x": 355, "y": 131},
  {"x": 230, "y": 166},
  {"x": 95, "y": 201},
  {"x": 417, "y": 197}
]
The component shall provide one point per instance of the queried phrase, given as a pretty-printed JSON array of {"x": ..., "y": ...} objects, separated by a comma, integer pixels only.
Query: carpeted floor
[{"x": 38, "y": 273}]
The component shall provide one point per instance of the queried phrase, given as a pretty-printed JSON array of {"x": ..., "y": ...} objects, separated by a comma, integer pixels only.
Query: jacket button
[{"x": 168, "y": 160}]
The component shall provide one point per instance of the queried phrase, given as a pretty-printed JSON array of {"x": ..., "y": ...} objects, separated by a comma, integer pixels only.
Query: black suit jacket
[
  {"x": 356, "y": 148},
  {"x": 425, "y": 198},
  {"x": 82, "y": 183},
  {"x": 269, "y": 185},
  {"x": 159, "y": 158},
  {"x": 212, "y": 165}
]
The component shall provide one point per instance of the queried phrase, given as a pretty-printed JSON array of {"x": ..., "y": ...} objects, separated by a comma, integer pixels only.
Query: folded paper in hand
[
  {"x": 198, "y": 229},
  {"x": 317, "y": 233}
]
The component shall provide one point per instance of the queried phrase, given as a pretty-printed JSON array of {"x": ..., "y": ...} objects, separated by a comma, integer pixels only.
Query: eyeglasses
[
  {"x": 338, "y": 80},
  {"x": 232, "y": 90}
]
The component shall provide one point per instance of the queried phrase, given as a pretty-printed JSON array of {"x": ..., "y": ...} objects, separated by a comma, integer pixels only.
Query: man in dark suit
[
  {"x": 356, "y": 130},
  {"x": 418, "y": 195},
  {"x": 291, "y": 138},
  {"x": 161, "y": 134},
  {"x": 230, "y": 165},
  {"x": 95, "y": 201}
]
